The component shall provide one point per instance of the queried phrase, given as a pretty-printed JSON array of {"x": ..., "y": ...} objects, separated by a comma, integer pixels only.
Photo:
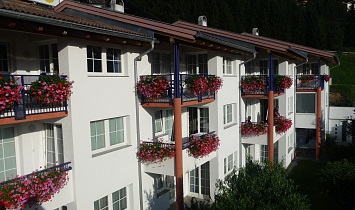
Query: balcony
[
  {"x": 158, "y": 157},
  {"x": 25, "y": 98},
  {"x": 158, "y": 90},
  {"x": 258, "y": 86},
  {"x": 310, "y": 83},
  {"x": 35, "y": 188}
]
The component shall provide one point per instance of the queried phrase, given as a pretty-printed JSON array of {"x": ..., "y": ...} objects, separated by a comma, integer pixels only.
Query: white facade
[{"x": 337, "y": 123}]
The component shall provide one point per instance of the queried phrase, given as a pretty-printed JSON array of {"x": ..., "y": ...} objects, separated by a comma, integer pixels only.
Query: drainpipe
[
  {"x": 138, "y": 58},
  {"x": 240, "y": 108},
  {"x": 295, "y": 99},
  {"x": 270, "y": 116}
]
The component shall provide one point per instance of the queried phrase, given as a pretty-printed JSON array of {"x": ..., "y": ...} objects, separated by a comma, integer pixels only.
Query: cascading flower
[
  {"x": 254, "y": 129},
  {"x": 150, "y": 152},
  {"x": 197, "y": 84},
  {"x": 10, "y": 92},
  {"x": 152, "y": 86},
  {"x": 252, "y": 84},
  {"x": 326, "y": 77},
  {"x": 282, "y": 124},
  {"x": 51, "y": 89},
  {"x": 33, "y": 189},
  {"x": 214, "y": 83},
  {"x": 201, "y": 146},
  {"x": 282, "y": 82}
]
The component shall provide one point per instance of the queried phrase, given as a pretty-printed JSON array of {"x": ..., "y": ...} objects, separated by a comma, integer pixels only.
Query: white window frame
[
  {"x": 310, "y": 68},
  {"x": 198, "y": 64},
  {"x": 167, "y": 185},
  {"x": 315, "y": 103},
  {"x": 227, "y": 66},
  {"x": 229, "y": 114},
  {"x": 200, "y": 180},
  {"x": 58, "y": 143},
  {"x": 162, "y": 63},
  {"x": 290, "y": 105},
  {"x": 107, "y": 141},
  {"x": 104, "y": 61},
  {"x": 164, "y": 117},
  {"x": 110, "y": 202},
  {"x": 230, "y": 163},
  {"x": 200, "y": 120},
  {"x": 264, "y": 153},
  {"x": 267, "y": 66},
  {"x": 15, "y": 156},
  {"x": 51, "y": 58}
]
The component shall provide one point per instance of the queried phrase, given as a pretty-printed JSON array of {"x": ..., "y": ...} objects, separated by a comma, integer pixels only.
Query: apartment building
[{"x": 98, "y": 137}]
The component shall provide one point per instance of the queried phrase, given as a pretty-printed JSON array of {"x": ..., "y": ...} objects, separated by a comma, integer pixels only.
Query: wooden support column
[
  {"x": 178, "y": 132},
  {"x": 270, "y": 117},
  {"x": 318, "y": 120}
]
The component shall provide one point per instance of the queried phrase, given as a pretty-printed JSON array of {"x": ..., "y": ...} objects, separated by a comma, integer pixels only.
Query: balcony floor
[
  {"x": 184, "y": 104},
  {"x": 33, "y": 117},
  {"x": 261, "y": 96}
]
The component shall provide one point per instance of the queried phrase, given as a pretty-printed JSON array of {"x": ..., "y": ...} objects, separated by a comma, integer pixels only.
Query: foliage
[
  {"x": 201, "y": 146},
  {"x": 152, "y": 86},
  {"x": 259, "y": 186},
  {"x": 282, "y": 82},
  {"x": 345, "y": 93},
  {"x": 253, "y": 84},
  {"x": 199, "y": 84},
  {"x": 150, "y": 152},
  {"x": 334, "y": 152},
  {"x": 282, "y": 124},
  {"x": 34, "y": 189},
  {"x": 51, "y": 89},
  {"x": 254, "y": 129},
  {"x": 325, "y": 77},
  {"x": 9, "y": 92},
  {"x": 337, "y": 181},
  {"x": 214, "y": 83}
]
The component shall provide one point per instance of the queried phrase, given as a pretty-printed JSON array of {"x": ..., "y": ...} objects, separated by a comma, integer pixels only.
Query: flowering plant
[
  {"x": 326, "y": 77},
  {"x": 150, "y": 152},
  {"x": 253, "y": 84},
  {"x": 282, "y": 124},
  {"x": 9, "y": 92},
  {"x": 33, "y": 189},
  {"x": 282, "y": 82},
  {"x": 201, "y": 146},
  {"x": 51, "y": 89},
  {"x": 197, "y": 84},
  {"x": 152, "y": 86},
  {"x": 254, "y": 129},
  {"x": 307, "y": 77},
  {"x": 214, "y": 83}
]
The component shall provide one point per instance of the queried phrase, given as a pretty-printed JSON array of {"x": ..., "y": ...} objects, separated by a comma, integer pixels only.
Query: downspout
[
  {"x": 295, "y": 101},
  {"x": 138, "y": 58},
  {"x": 240, "y": 109}
]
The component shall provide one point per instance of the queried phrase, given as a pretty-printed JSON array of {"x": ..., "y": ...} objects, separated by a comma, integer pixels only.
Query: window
[
  {"x": 4, "y": 63},
  {"x": 101, "y": 204},
  {"x": 54, "y": 144},
  {"x": 197, "y": 64},
  {"x": 227, "y": 65},
  {"x": 48, "y": 58},
  {"x": 165, "y": 184},
  {"x": 310, "y": 68},
  {"x": 290, "y": 142},
  {"x": 164, "y": 123},
  {"x": 290, "y": 105},
  {"x": 249, "y": 151},
  {"x": 203, "y": 178},
  {"x": 108, "y": 133},
  {"x": 7, "y": 154},
  {"x": 118, "y": 201},
  {"x": 276, "y": 152},
  {"x": 113, "y": 59},
  {"x": 264, "y": 154},
  {"x": 264, "y": 67},
  {"x": 305, "y": 103},
  {"x": 104, "y": 60},
  {"x": 228, "y": 114},
  {"x": 161, "y": 63},
  {"x": 230, "y": 163},
  {"x": 250, "y": 67},
  {"x": 198, "y": 120}
]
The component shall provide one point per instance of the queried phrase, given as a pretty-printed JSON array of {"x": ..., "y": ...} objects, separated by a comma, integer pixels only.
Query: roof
[
  {"x": 158, "y": 27},
  {"x": 285, "y": 48},
  {"x": 44, "y": 14}
]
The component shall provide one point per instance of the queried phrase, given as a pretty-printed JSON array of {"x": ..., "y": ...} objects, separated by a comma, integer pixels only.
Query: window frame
[
  {"x": 226, "y": 114},
  {"x": 313, "y": 111},
  {"x": 167, "y": 185},
  {"x": 57, "y": 133},
  {"x": 15, "y": 151},
  {"x": 51, "y": 57},
  {"x": 6, "y": 58},
  {"x": 104, "y": 61},
  {"x": 264, "y": 153},
  {"x": 227, "y": 66},
  {"x": 275, "y": 67},
  {"x": 163, "y": 120},
  {"x": 200, "y": 179},
  {"x": 110, "y": 198},
  {"x": 162, "y": 63},
  {"x": 200, "y": 120},
  {"x": 197, "y": 62},
  {"x": 230, "y": 163}
]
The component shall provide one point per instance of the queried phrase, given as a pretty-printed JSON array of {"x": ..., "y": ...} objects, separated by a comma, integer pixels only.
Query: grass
[{"x": 305, "y": 175}]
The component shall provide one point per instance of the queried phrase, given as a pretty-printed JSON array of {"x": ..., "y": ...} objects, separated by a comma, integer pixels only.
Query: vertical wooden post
[
  {"x": 318, "y": 120},
  {"x": 270, "y": 117}
]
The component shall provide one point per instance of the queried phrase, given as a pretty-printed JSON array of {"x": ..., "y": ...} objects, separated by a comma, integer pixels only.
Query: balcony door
[
  {"x": 264, "y": 67},
  {"x": 197, "y": 64},
  {"x": 200, "y": 181},
  {"x": 54, "y": 144},
  {"x": 198, "y": 120},
  {"x": 161, "y": 63}
]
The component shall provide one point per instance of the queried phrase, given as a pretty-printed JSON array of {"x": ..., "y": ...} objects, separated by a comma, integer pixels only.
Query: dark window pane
[
  {"x": 89, "y": 51},
  {"x": 109, "y": 53},
  {"x": 97, "y": 52},
  {"x": 110, "y": 66},
  {"x": 90, "y": 65},
  {"x": 97, "y": 66}
]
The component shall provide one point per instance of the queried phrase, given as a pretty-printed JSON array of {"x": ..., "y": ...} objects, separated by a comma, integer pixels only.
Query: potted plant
[
  {"x": 201, "y": 146},
  {"x": 214, "y": 83},
  {"x": 325, "y": 77},
  {"x": 282, "y": 82},
  {"x": 197, "y": 84},
  {"x": 152, "y": 86},
  {"x": 51, "y": 89},
  {"x": 10, "y": 92},
  {"x": 150, "y": 152},
  {"x": 253, "y": 84},
  {"x": 254, "y": 129},
  {"x": 282, "y": 124}
]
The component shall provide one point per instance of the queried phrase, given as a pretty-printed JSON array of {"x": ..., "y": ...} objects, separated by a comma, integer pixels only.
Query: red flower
[
  {"x": 150, "y": 152},
  {"x": 10, "y": 92},
  {"x": 152, "y": 87},
  {"x": 203, "y": 145},
  {"x": 282, "y": 82},
  {"x": 282, "y": 124},
  {"x": 326, "y": 77},
  {"x": 254, "y": 129},
  {"x": 253, "y": 84}
]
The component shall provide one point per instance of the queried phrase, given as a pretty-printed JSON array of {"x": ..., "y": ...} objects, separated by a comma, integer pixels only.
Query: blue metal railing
[
  {"x": 186, "y": 95},
  {"x": 261, "y": 91},
  {"x": 309, "y": 82},
  {"x": 28, "y": 104},
  {"x": 61, "y": 167}
]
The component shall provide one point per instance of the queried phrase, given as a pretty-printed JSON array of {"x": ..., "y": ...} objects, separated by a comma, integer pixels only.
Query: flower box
[
  {"x": 51, "y": 89},
  {"x": 10, "y": 92},
  {"x": 254, "y": 129},
  {"x": 282, "y": 124},
  {"x": 152, "y": 86},
  {"x": 252, "y": 84},
  {"x": 150, "y": 152},
  {"x": 325, "y": 77},
  {"x": 201, "y": 146},
  {"x": 32, "y": 189},
  {"x": 198, "y": 84},
  {"x": 282, "y": 82}
]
